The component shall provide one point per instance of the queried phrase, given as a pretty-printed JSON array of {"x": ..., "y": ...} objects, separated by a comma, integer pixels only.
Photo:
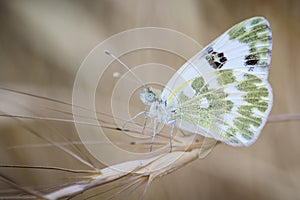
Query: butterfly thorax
[{"x": 158, "y": 108}]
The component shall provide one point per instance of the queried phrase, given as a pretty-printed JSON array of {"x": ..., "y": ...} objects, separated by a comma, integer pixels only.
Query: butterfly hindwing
[
  {"x": 233, "y": 113},
  {"x": 222, "y": 92}
]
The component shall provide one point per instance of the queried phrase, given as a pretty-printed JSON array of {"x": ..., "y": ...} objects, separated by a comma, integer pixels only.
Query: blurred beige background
[{"x": 44, "y": 42}]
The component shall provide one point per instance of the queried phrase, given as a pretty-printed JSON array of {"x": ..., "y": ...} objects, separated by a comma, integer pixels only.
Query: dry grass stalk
[{"x": 145, "y": 170}]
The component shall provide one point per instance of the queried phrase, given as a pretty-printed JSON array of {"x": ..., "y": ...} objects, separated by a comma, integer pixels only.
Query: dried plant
[
  {"x": 114, "y": 181},
  {"x": 127, "y": 175}
]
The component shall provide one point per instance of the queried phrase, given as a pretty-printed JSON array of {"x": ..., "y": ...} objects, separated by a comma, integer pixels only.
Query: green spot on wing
[
  {"x": 231, "y": 132},
  {"x": 182, "y": 98},
  {"x": 225, "y": 77},
  {"x": 236, "y": 31},
  {"x": 199, "y": 85},
  {"x": 249, "y": 83},
  {"x": 256, "y": 20}
]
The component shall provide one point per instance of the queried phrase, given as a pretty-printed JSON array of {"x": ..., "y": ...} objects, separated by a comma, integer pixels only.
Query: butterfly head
[{"x": 150, "y": 95}]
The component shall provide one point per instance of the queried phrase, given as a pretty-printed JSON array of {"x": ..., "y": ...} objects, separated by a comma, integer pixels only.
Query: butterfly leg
[
  {"x": 131, "y": 119},
  {"x": 154, "y": 133},
  {"x": 171, "y": 135},
  {"x": 145, "y": 120}
]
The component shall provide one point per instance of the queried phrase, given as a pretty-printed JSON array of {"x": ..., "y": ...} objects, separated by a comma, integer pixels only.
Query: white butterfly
[{"x": 222, "y": 92}]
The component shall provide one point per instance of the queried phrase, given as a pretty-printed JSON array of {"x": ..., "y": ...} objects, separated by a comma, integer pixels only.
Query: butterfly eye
[
  {"x": 150, "y": 97},
  {"x": 147, "y": 96}
]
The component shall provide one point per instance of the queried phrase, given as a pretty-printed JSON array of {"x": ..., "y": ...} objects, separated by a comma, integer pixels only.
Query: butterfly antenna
[{"x": 124, "y": 65}]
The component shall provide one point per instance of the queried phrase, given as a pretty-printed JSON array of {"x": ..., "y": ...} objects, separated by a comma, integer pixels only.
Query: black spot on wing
[
  {"x": 223, "y": 59},
  {"x": 251, "y": 59},
  {"x": 215, "y": 59},
  {"x": 251, "y": 62}
]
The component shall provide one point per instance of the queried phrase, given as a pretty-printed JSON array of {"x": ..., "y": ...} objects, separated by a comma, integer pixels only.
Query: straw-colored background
[{"x": 44, "y": 42}]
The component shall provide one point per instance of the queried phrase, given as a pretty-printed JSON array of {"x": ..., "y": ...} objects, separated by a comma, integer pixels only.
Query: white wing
[{"x": 222, "y": 92}]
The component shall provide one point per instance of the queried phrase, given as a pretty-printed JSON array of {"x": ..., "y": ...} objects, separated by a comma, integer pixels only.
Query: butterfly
[{"x": 222, "y": 92}]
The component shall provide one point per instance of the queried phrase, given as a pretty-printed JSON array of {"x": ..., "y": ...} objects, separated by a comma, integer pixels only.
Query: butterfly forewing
[{"x": 222, "y": 92}]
